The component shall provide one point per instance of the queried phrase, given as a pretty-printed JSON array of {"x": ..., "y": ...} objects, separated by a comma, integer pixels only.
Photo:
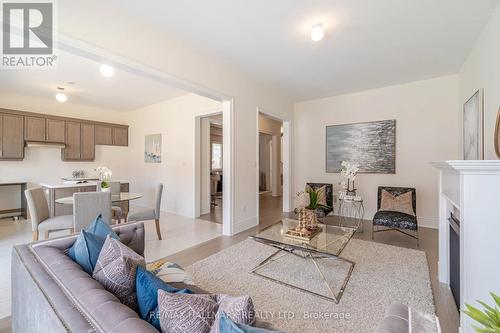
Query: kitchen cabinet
[
  {"x": 34, "y": 129},
  {"x": 120, "y": 136},
  {"x": 73, "y": 142},
  {"x": 12, "y": 137},
  {"x": 88, "y": 142},
  {"x": 55, "y": 130},
  {"x": 103, "y": 135}
]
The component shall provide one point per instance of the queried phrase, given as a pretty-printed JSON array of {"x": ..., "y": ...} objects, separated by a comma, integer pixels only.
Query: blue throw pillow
[
  {"x": 226, "y": 325},
  {"x": 100, "y": 228},
  {"x": 147, "y": 286},
  {"x": 86, "y": 249}
]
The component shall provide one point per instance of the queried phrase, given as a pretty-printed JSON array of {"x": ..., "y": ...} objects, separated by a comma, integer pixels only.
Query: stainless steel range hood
[{"x": 38, "y": 144}]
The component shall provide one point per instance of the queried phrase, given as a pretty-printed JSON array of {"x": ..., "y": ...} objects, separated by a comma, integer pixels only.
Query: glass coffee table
[{"x": 312, "y": 266}]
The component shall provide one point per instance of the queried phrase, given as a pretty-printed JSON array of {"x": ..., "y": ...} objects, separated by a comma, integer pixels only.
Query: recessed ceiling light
[
  {"x": 61, "y": 96},
  {"x": 317, "y": 32},
  {"x": 107, "y": 70}
]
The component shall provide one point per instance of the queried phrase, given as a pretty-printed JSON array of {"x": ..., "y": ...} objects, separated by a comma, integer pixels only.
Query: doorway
[
  {"x": 270, "y": 169},
  {"x": 211, "y": 168}
]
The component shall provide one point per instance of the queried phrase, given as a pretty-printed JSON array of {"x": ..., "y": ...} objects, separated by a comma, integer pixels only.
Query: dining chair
[
  {"x": 40, "y": 217},
  {"x": 115, "y": 189},
  {"x": 144, "y": 214},
  {"x": 87, "y": 205}
]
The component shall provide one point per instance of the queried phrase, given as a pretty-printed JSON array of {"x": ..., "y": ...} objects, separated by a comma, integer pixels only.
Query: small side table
[{"x": 353, "y": 209}]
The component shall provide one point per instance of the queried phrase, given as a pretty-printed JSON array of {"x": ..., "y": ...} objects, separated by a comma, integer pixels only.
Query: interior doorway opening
[
  {"x": 270, "y": 169},
  {"x": 211, "y": 156}
]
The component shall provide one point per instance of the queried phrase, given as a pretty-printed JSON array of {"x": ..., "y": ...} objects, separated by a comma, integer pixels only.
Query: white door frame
[
  {"x": 69, "y": 44},
  {"x": 286, "y": 149}
]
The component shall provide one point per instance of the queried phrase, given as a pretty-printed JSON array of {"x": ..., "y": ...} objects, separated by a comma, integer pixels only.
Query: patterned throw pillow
[
  {"x": 402, "y": 203},
  {"x": 181, "y": 313},
  {"x": 170, "y": 272},
  {"x": 321, "y": 194},
  {"x": 239, "y": 309},
  {"x": 115, "y": 270}
]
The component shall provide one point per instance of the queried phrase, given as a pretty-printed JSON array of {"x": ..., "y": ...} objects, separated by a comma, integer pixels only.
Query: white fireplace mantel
[{"x": 471, "y": 190}]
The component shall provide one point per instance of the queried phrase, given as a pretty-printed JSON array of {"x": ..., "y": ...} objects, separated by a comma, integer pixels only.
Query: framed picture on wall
[
  {"x": 473, "y": 116},
  {"x": 152, "y": 148}
]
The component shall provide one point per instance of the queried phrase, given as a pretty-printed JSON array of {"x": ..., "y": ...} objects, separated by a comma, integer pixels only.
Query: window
[{"x": 216, "y": 156}]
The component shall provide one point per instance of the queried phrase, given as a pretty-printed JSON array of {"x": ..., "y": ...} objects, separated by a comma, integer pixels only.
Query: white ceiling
[
  {"x": 368, "y": 43},
  {"x": 122, "y": 92}
]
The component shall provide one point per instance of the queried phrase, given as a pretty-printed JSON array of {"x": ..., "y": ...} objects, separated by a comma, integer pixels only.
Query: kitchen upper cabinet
[
  {"x": 73, "y": 141},
  {"x": 103, "y": 135},
  {"x": 12, "y": 137},
  {"x": 34, "y": 129},
  {"x": 55, "y": 130},
  {"x": 88, "y": 142},
  {"x": 120, "y": 136}
]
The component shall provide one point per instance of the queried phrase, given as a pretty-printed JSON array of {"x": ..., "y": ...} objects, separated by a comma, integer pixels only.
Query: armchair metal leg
[{"x": 157, "y": 224}]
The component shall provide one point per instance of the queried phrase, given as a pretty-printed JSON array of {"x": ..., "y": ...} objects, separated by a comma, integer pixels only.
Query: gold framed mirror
[{"x": 497, "y": 134}]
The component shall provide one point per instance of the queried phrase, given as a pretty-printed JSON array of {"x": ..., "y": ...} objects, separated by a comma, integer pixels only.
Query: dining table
[{"x": 115, "y": 198}]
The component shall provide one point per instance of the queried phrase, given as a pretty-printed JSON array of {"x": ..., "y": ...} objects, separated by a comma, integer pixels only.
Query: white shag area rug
[{"x": 383, "y": 274}]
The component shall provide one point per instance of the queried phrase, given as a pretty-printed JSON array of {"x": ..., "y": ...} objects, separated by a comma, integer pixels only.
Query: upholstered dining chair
[
  {"x": 149, "y": 213},
  {"x": 86, "y": 207},
  {"x": 323, "y": 211},
  {"x": 39, "y": 213},
  {"x": 115, "y": 188},
  {"x": 393, "y": 220}
]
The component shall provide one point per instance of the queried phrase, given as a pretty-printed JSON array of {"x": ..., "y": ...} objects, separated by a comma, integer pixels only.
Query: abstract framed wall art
[
  {"x": 473, "y": 116},
  {"x": 370, "y": 144},
  {"x": 152, "y": 148}
]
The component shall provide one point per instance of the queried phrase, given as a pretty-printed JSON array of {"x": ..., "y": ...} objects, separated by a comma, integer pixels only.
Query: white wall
[
  {"x": 175, "y": 120},
  {"x": 139, "y": 41},
  {"x": 426, "y": 130},
  {"x": 44, "y": 164},
  {"x": 482, "y": 70}
]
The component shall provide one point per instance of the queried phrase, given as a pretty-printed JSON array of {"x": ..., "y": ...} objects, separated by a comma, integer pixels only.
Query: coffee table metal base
[{"x": 307, "y": 255}]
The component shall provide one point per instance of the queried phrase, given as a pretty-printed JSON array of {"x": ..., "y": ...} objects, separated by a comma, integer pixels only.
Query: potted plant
[
  {"x": 104, "y": 173},
  {"x": 307, "y": 202},
  {"x": 489, "y": 318}
]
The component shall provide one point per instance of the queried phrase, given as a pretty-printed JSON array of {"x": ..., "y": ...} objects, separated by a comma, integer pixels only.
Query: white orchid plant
[
  {"x": 104, "y": 174},
  {"x": 349, "y": 171}
]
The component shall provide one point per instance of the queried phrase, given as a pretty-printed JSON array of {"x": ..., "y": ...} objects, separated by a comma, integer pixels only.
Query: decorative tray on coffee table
[{"x": 303, "y": 235}]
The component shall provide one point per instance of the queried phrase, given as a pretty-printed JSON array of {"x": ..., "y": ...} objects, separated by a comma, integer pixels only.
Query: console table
[{"x": 15, "y": 212}]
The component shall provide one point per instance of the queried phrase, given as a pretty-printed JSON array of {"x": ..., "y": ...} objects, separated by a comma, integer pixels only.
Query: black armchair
[
  {"x": 323, "y": 211},
  {"x": 396, "y": 221}
]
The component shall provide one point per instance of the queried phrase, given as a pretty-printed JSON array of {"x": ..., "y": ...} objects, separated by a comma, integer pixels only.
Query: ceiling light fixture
[
  {"x": 317, "y": 32},
  {"x": 61, "y": 96},
  {"x": 107, "y": 70}
]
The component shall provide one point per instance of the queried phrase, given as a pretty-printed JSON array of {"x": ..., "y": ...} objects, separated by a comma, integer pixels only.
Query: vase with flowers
[
  {"x": 349, "y": 171},
  {"x": 104, "y": 174}
]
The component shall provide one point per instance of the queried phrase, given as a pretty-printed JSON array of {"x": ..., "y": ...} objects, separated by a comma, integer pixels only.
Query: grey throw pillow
[
  {"x": 115, "y": 270},
  {"x": 239, "y": 309},
  {"x": 181, "y": 313}
]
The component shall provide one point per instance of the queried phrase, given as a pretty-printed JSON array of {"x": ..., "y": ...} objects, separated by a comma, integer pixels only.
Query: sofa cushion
[
  {"x": 402, "y": 203},
  {"x": 86, "y": 249},
  {"x": 116, "y": 269},
  {"x": 100, "y": 228},
  {"x": 226, "y": 325},
  {"x": 147, "y": 286},
  {"x": 186, "y": 312}
]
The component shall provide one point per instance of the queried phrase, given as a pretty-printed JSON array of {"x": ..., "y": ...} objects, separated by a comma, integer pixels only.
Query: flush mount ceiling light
[
  {"x": 317, "y": 32},
  {"x": 107, "y": 70},
  {"x": 61, "y": 96}
]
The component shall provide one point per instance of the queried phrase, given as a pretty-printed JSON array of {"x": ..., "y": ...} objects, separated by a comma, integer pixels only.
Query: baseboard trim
[{"x": 428, "y": 222}]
